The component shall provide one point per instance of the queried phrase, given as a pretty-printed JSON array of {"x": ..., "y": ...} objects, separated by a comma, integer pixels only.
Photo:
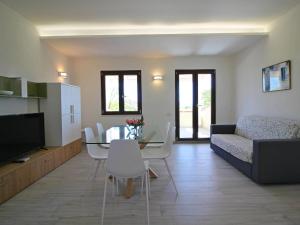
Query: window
[{"x": 121, "y": 92}]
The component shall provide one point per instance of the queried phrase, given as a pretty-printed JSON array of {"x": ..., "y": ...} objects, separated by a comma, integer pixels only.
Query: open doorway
[{"x": 195, "y": 104}]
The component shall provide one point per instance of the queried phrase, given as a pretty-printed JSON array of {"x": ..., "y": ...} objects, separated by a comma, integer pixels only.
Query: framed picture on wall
[{"x": 277, "y": 77}]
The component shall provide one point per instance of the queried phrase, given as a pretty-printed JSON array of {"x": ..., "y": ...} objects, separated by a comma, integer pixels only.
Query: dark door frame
[{"x": 195, "y": 73}]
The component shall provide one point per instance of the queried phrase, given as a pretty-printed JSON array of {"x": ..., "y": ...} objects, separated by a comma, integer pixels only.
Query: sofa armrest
[
  {"x": 276, "y": 161},
  {"x": 222, "y": 129}
]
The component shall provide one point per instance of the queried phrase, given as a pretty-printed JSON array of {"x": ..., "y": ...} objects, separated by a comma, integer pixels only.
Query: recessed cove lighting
[{"x": 154, "y": 29}]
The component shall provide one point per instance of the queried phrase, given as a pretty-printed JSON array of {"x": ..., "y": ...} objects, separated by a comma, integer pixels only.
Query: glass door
[{"x": 195, "y": 104}]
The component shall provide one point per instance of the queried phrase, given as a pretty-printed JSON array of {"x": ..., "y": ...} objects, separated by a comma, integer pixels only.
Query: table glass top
[{"x": 121, "y": 132}]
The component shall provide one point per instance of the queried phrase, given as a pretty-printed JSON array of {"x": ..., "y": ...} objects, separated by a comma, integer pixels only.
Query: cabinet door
[
  {"x": 66, "y": 98},
  {"x": 59, "y": 157},
  {"x": 76, "y": 127},
  {"x": 68, "y": 150},
  {"x": 71, "y": 128},
  {"x": 36, "y": 170},
  {"x": 67, "y": 128},
  {"x": 8, "y": 187},
  {"x": 76, "y": 100},
  {"x": 77, "y": 147},
  {"x": 23, "y": 177},
  {"x": 48, "y": 163}
]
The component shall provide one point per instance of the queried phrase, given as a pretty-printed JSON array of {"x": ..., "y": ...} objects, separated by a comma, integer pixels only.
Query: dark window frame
[
  {"x": 194, "y": 73},
  {"x": 121, "y": 74}
]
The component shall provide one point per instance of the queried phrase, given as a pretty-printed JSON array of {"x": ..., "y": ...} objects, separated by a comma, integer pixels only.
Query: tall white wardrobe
[{"x": 62, "y": 114}]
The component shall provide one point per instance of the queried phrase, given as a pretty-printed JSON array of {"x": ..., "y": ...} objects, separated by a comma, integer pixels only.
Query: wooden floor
[{"x": 211, "y": 193}]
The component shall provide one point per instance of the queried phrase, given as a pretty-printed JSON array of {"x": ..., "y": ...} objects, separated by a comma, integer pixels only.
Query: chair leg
[
  {"x": 170, "y": 174},
  {"x": 142, "y": 185},
  {"x": 113, "y": 186},
  {"x": 149, "y": 180},
  {"x": 147, "y": 197},
  {"x": 117, "y": 183},
  {"x": 97, "y": 167},
  {"x": 104, "y": 199},
  {"x": 103, "y": 164}
]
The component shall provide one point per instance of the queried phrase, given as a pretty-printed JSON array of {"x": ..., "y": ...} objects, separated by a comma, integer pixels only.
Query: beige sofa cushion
[
  {"x": 260, "y": 127},
  {"x": 237, "y": 146}
]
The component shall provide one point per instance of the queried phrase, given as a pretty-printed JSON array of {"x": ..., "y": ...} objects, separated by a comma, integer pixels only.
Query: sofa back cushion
[{"x": 261, "y": 127}]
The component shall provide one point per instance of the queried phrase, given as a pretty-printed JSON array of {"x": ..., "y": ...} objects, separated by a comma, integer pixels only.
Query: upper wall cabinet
[
  {"x": 20, "y": 87},
  {"x": 14, "y": 87},
  {"x": 36, "y": 90}
]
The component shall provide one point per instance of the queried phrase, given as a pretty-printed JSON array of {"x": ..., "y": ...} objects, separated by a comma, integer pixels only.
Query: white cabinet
[{"x": 62, "y": 114}]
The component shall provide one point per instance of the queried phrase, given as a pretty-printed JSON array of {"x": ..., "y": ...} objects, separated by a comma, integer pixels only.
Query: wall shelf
[
  {"x": 11, "y": 84},
  {"x": 22, "y": 88},
  {"x": 36, "y": 90}
]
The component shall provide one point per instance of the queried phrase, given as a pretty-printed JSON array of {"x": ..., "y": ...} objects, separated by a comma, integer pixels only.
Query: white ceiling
[
  {"x": 153, "y": 46},
  {"x": 49, "y": 12},
  {"x": 110, "y": 13}
]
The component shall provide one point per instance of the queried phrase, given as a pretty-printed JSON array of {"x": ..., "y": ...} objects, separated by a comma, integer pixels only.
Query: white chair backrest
[
  {"x": 167, "y": 128},
  {"x": 125, "y": 159},
  {"x": 100, "y": 129},
  {"x": 169, "y": 140},
  {"x": 93, "y": 149},
  {"x": 89, "y": 134}
]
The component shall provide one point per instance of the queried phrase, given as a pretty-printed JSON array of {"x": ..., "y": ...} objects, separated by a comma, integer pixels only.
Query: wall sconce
[
  {"x": 63, "y": 75},
  {"x": 157, "y": 77}
]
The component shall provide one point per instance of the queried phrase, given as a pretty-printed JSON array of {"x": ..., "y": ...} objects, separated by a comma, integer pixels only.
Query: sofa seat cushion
[
  {"x": 239, "y": 147},
  {"x": 260, "y": 127}
]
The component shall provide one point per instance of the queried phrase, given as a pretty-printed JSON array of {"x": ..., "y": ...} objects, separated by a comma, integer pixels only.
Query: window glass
[
  {"x": 130, "y": 93},
  {"x": 112, "y": 93}
]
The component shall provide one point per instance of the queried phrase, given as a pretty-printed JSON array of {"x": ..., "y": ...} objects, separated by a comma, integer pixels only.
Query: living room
[{"x": 71, "y": 43}]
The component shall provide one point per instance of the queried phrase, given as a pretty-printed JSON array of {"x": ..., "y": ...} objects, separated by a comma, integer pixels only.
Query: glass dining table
[{"x": 144, "y": 136}]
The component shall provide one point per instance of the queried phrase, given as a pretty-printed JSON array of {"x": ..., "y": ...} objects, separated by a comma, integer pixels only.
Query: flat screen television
[{"x": 20, "y": 134}]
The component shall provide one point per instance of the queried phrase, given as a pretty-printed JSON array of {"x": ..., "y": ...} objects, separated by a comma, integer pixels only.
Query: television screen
[{"x": 20, "y": 134}]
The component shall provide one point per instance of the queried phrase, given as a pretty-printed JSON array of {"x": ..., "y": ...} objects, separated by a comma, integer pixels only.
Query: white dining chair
[
  {"x": 95, "y": 152},
  {"x": 101, "y": 132},
  {"x": 165, "y": 133},
  {"x": 125, "y": 161},
  {"x": 162, "y": 153}
]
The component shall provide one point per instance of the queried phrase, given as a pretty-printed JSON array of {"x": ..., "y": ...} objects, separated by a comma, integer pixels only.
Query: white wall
[
  {"x": 158, "y": 96},
  {"x": 282, "y": 44},
  {"x": 22, "y": 54}
]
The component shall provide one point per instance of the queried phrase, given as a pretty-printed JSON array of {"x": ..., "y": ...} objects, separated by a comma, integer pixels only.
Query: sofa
[{"x": 265, "y": 149}]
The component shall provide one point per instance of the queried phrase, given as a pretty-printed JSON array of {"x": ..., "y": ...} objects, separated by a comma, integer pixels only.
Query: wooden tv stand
[{"x": 14, "y": 177}]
